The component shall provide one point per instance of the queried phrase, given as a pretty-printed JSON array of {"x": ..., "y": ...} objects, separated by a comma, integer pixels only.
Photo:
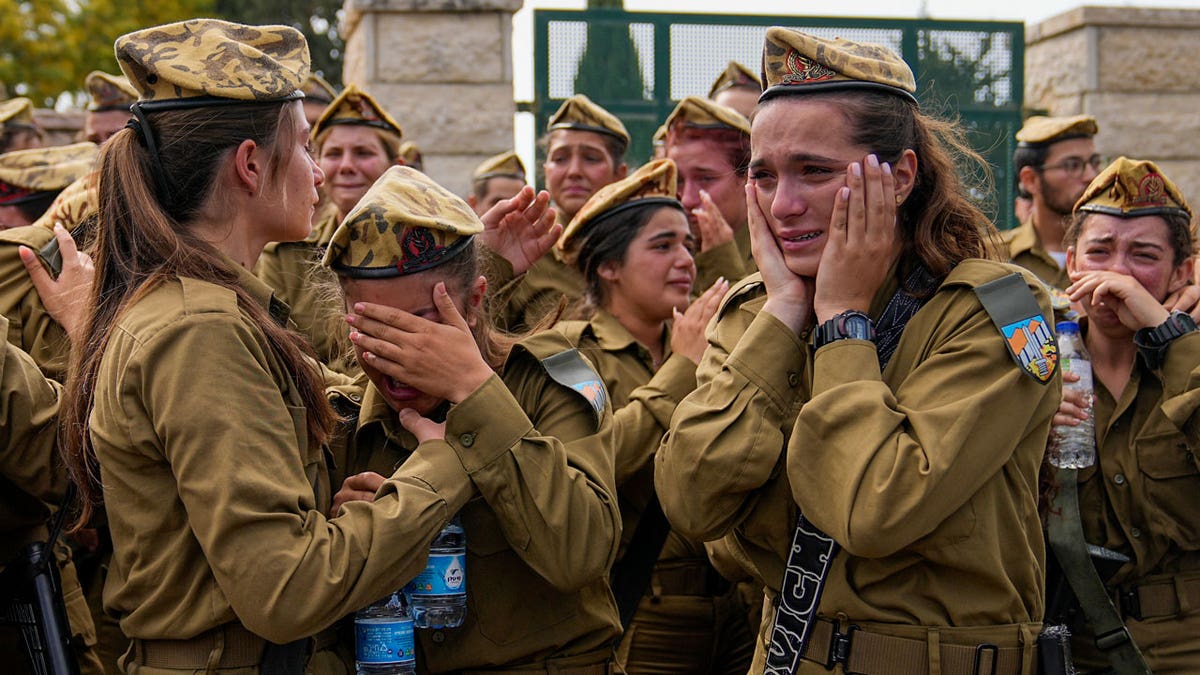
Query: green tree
[
  {"x": 48, "y": 46},
  {"x": 317, "y": 19}
]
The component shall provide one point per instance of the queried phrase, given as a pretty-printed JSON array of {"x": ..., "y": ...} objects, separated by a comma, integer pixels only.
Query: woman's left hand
[
  {"x": 1121, "y": 293},
  {"x": 864, "y": 241},
  {"x": 440, "y": 359},
  {"x": 521, "y": 229},
  {"x": 65, "y": 298}
]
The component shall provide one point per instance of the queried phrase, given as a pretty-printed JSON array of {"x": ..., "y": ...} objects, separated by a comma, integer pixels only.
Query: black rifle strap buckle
[
  {"x": 1113, "y": 639},
  {"x": 839, "y": 647},
  {"x": 1131, "y": 604}
]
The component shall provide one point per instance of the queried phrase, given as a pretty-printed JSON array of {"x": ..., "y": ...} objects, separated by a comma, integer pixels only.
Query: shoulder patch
[
  {"x": 572, "y": 371},
  {"x": 1026, "y": 331}
]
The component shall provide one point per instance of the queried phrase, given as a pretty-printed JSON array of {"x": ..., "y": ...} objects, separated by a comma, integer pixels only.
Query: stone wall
[
  {"x": 443, "y": 69},
  {"x": 1131, "y": 68}
]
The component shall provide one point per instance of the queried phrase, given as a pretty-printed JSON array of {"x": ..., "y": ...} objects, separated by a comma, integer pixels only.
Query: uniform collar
[
  {"x": 1025, "y": 239},
  {"x": 613, "y": 337},
  {"x": 259, "y": 291}
]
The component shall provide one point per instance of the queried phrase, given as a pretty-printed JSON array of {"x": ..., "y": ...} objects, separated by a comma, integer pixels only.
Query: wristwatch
[
  {"x": 1153, "y": 342},
  {"x": 851, "y": 325}
]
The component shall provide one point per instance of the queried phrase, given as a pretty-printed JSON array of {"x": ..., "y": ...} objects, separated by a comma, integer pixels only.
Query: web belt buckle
[
  {"x": 986, "y": 648},
  {"x": 839, "y": 647},
  {"x": 1131, "y": 604}
]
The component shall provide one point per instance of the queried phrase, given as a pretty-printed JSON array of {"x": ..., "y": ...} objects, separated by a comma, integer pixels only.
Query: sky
[{"x": 1028, "y": 11}]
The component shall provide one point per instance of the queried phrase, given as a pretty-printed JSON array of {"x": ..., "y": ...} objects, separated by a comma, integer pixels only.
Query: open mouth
[
  {"x": 399, "y": 391},
  {"x": 803, "y": 237}
]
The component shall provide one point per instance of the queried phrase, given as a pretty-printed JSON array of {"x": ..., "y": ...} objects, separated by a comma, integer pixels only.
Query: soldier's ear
[
  {"x": 1029, "y": 180},
  {"x": 904, "y": 172},
  {"x": 249, "y": 167}
]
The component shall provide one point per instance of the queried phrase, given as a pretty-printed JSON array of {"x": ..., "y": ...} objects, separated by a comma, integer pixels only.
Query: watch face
[{"x": 856, "y": 326}]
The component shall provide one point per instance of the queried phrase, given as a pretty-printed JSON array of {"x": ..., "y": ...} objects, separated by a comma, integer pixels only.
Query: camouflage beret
[
  {"x": 73, "y": 205},
  {"x": 702, "y": 113},
  {"x": 410, "y": 152},
  {"x": 653, "y": 183},
  {"x": 581, "y": 114},
  {"x": 358, "y": 108},
  {"x": 1041, "y": 130},
  {"x": 214, "y": 59},
  {"x": 27, "y": 174},
  {"x": 109, "y": 92},
  {"x": 17, "y": 113},
  {"x": 799, "y": 63},
  {"x": 735, "y": 75},
  {"x": 660, "y": 135},
  {"x": 404, "y": 224},
  {"x": 1130, "y": 188},
  {"x": 317, "y": 90},
  {"x": 506, "y": 164}
]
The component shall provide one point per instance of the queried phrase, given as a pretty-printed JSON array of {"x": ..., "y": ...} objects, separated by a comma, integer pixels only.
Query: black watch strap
[
  {"x": 851, "y": 325},
  {"x": 1152, "y": 343}
]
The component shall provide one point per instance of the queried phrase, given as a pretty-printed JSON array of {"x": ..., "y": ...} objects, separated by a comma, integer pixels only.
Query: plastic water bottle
[
  {"x": 383, "y": 638},
  {"x": 438, "y": 595},
  {"x": 1074, "y": 447}
]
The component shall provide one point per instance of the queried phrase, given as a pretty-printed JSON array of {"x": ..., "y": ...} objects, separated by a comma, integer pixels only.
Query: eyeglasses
[{"x": 1073, "y": 166}]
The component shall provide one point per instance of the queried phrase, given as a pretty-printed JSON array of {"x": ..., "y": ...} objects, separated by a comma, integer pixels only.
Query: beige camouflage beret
[
  {"x": 209, "y": 57},
  {"x": 25, "y": 174},
  {"x": 799, "y": 63},
  {"x": 579, "y": 113},
  {"x": 356, "y": 107},
  {"x": 17, "y": 113},
  {"x": 411, "y": 154},
  {"x": 653, "y": 182},
  {"x": 702, "y": 113},
  {"x": 318, "y": 90},
  {"x": 1042, "y": 130},
  {"x": 404, "y": 224},
  {"x": 109, "y": 92},
  {"x": 506, "y": 164},
  {"x": 735, "y": 75},
  {"x": 1129, "y": 188},
  {"x": 73, "y": 205}
]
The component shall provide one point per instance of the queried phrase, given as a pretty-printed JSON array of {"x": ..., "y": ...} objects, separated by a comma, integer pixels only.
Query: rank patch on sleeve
[
  {"x": 569, "y": 369},
  {"x": 1027, "y": 333}
]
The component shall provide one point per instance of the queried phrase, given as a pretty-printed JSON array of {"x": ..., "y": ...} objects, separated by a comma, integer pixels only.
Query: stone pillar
[
  {"x": 1134, "y": 70},
  {"x": 443, "y": 69}
]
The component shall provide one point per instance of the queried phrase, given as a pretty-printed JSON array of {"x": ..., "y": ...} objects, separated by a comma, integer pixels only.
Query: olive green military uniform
[
  {"x": 293, "y": 271},
  {"x": 1142, "y": 498},
  {"x": 542, "y": 531},
  {"x": 731, "y": 260},
  {"x": 1025, "y": 249},
  {"x": 688, "y": 621},
  {"x": 195, "y": 415},
  {"x": 925, "y": 474},
  {"x": 528, "y": 298}
]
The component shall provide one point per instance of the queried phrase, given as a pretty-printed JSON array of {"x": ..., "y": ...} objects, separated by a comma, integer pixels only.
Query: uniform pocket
[
  {"x": 1172, "y": 484},
  {"x": 505, "y": 597}
]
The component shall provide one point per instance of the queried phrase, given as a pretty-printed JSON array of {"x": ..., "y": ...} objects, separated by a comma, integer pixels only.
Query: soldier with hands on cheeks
[{"x": 873, "y": 405}]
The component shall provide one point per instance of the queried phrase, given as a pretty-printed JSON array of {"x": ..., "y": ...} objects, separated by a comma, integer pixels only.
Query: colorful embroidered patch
[
  {"x": 1152, "y": 191},
  {"x": 571, "y": 370},
  {"x": 594, "y": 392},
  {"x": 802, "y": 69},
  {"x": 1032, "y": 344}
]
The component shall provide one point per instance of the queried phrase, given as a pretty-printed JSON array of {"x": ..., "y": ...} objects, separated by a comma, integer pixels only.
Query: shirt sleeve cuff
[
  {"x": 843, "y": 362},
  {"x": 676, "y": 377},
  {"x": 437, "y": 466},
  {"x": 486, "y": 425},
  {"x": 771, "y": 356}
]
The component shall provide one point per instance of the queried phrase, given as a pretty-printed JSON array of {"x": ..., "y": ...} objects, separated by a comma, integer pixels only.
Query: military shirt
[
  {"x": 1024, "y": 248},
  {"x": 542, "y": 525},
  {"x": 732, "y": 260},
  {"x": 925, "y": 474},
  {"x": 216, "y": 502},
  {"x": 293, "y": 270}
]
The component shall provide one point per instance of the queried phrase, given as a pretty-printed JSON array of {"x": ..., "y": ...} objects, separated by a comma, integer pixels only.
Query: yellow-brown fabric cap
[
  {"x": 580, "y": 113},
  {"x": 17, "y": 113},
  {"x": 318, "y": 90},
  {"x": 404, "y": 224},
  {"x": 702, "y": 113},
  {"x": 1131, "y": 188},
  {"x": 505, "y": 164},
  {"x": 735, "y": 75},
  {"x": 109, "y": 92},
  {"x": 24, "y": 173},
  {"x": 654, "y": 180},
  {"x": 356, "y": 107},
  {"x": 660, "y": 135},
  {"x": 208, "y": 57},
  {"x": 1042, "y": 130},
  {"x": 410, "y": 152},
  {"x": 799, "y": 63},
  {"x": 73, "y": 205}
]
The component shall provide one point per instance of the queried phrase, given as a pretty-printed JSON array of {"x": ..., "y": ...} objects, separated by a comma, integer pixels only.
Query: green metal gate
[{"x": 639, "y": 65}]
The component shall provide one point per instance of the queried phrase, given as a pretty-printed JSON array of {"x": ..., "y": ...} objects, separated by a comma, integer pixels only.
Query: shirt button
[
  {"x": 355, "y": 397},
  {"x": 1119, "y": 479},
  {"x": 467, "y": 439},
  {"x": 1135, "y": 533},
  {"x": 438, "y": 636},
  {"x": 793, "y": 379}
]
